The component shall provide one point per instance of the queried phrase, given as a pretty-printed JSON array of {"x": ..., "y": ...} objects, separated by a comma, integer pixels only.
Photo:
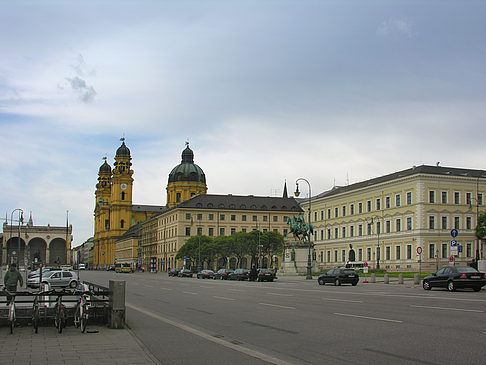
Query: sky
[{"x": 335, "y": 92}]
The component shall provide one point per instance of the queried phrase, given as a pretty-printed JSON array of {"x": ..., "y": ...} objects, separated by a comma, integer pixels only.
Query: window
[
  {"x": 388, "y": 253},
  {"x": 265, "y": 230},
  {"x": 315, "y": 216},
  {"x": 243, "y": 218},
  {"x": 409, "y": 198},
  {"x": 468, "y": 198},
  {"x": 431, "y": 196},
  {"x": 409, "y": 223},
  {"x": 199, "y": 217},
  {"x": 368, "y": 204},
  {"x": 398, "y": 225},
  {"x": 188, "y": 216},
  {"x": 444, "y": 197},
  {"x": 387, "y": 202},
  {"x": 480, "y": 199},
  {"x": 409, "y": 252},
  {"x": 336, "y": 233},
  {"x": 431, "y": 222},
  {"x": 369, "y": 229},
  {"x": 388, "y": 226},
  {"x": 254, "y": 218},
  {"x": 468, "y": 222},
  {"x": 343, "y": 255},
  {"x": 188, "y": 231},
  {"x": 178, "y": 197},
  {"x": 344, "y": 211},
  {"x": 397, "y": 200},
  {"x": 285, "y": 231},
  {"x": 275, "y": 218},
  {"x": 335, "y": 255},
  {"x": 328, "y": 234},
  {"x": 457, "y": 199},
  {"x": 378, "y": 253},
  {"x": 398, "y": 253},
  {"x": 378, "y": 227},
  {"x": 329, "y": 214},
  {"x": 211, "y": 217},
  {"x": 444, "y": 223},
  {"x": 344, "y": 233},
  {"x": 360, "y": 230},
  {"x": 123, "y": 195},
  {"x": 360, "y": 208},
  {"x": 322, "y": 215},
  {"x": 233, "y": 217},
  {"x": 336, "y": 213},
  {"x": 431, "y": 250},
  {"x": 468, "y": 250},
  {"x": 456, "y": 222},
  {"x": 221, "y": 231},
  {"x": 322, "y": 234},
  {"x": 351, "y": 210},
  {"x": 351, "y": 231},
  {"x": 265, "y": 218},
  {"x": 378, "y": 204},
  {"x": 211, "y": 232},
  {"x": 221, "y": 217},
  {"x": 368, "y": 254},
  {"x": 444, "y": 251},
  {"x": 122, "y": 223},
  {"x": 233, "y": 230},
  {"x": 360, "y": 254},
  {"x": 107, "y": 224}
]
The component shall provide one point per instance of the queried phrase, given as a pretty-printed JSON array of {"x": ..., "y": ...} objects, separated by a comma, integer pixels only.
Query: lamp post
[
  {"x": 21, "y": 218},
  {"x": 378, "y": 250},
  {"x": 297, "y": 193}
]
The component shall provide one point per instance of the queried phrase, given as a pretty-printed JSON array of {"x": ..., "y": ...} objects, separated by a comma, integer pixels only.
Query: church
[{"x": 152, "y": 234}]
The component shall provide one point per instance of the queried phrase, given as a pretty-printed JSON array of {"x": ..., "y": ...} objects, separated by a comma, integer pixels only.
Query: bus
[{"x": 123, "y": 267}]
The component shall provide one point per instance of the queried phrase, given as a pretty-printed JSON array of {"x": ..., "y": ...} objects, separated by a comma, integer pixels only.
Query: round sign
[
  {"x": 454, "y": 233},
  {"x": 365, "y": 264},
  {"x": 451, "y": 259},
  {"x": 419, "y": 250}
]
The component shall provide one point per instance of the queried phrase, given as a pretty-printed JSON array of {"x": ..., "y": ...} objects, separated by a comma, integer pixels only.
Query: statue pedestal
[{"x": 295, "y": 257}]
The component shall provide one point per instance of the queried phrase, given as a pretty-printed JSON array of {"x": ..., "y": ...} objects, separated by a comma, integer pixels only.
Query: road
[{"x": 294, "y": 321}]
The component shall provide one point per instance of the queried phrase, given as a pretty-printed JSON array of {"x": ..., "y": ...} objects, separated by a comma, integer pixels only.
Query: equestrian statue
[{"x": 299, "y": 228}]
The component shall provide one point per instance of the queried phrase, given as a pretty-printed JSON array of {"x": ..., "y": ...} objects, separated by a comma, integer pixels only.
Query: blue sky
[{"x": 265, "y": 91}]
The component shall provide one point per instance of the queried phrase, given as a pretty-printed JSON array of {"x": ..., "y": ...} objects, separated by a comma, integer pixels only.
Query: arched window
[
  {"x": 122, "y": 223},
  {"x": 123, "y": 195}
]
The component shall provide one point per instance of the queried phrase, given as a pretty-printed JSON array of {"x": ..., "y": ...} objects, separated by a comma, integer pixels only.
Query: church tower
[
  {"x": 102, "y": 212},
  {"x": 185, "y": 180}
]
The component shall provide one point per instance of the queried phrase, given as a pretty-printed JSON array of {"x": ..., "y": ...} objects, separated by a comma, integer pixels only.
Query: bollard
[
  {"x": 373, "y": 278},
  {"x": 117, "y": 304},
  {"x": 386, "y": 279},
  {"x": 400, "y": 278},
  {"x": 416, "y": 280}
]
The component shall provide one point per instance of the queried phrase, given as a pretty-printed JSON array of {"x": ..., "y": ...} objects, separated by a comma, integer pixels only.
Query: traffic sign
[
  {"x": 453, "y": 243},
  {"x": 454, "y": 250},
  {"x": 419, "y": 250},
  {"x": 365, "y": 264},
  {"x": 365, "y": 270},
  {"x": 451, "y": 259},
  {"x": 460, "y": 248},
  {"x": 454, "y": 233}
]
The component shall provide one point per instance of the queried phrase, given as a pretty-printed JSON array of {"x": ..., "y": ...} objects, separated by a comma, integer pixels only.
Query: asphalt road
[{"x": 294, "y": 321}]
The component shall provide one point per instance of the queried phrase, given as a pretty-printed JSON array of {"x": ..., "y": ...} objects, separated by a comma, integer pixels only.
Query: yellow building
[
  {"x": 114, "y": 210},
  {"x": 388, "y": 220}
]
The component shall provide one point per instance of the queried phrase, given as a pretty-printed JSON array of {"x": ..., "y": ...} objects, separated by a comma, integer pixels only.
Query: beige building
[{"x": 388, "y": 220}]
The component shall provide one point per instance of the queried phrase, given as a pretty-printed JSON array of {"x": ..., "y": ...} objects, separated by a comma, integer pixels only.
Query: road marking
[
  {"x": 374, "y": 318},
  {"x": 275, "y": 305},
  {"x": 445, "y": 308},
  {"x": 237, "y": 290},
  {"x": 223, "y": 298},
  {"x": 283, "y": 295},
  {"x": 344, "y": 300},
  {"x": 206, "y": 336},
  {"x": 166, "y": 289},
  {"x": 190, "y": 292}
]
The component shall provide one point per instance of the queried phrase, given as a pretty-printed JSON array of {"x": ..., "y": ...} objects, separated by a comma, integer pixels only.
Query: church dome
[
  {"x": 187, "y": 170},
  {"x": 105, "y": 168},
  {"x": 123, "y": 151}
]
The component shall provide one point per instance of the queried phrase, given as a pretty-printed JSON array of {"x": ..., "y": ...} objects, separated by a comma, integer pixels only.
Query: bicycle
[
  {"x": 60, "y": 309},
  {"x": 35, "y": 313},
  {"x": 11, "y": 310},
  {"x": 81, "y": 312}
]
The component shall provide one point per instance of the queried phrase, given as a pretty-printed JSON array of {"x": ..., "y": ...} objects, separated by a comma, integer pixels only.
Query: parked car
[
  {"x": 57, "y": 279},
  {"x": 455, "y": 277},
  {"x": 174, "y": 272},
  {"x": 81, "y": 267},
  {"x": 222, "y": 274},
  {"x": 205, "y": 274},
  {"x": 339, "y": 276},
  {"x": 185, "y": 273},
  {"x": 45, "y": 270},
  {"x": 239, "y": 274},
  {"x": 265, "y": 275}
]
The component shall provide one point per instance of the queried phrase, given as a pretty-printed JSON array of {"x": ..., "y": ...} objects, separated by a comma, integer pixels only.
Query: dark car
[
  {"x": 339, "y": 276},
  {"x": 185, "y": 273},
  {"x": 174, "y": 272},
  {"x": 205, "y": 274},
  {"x": 239, "y": 274},
  {"x": 222, "y": 274},
  {"x": 455, "y": 277},
  {"x": 265, "y": 275}
]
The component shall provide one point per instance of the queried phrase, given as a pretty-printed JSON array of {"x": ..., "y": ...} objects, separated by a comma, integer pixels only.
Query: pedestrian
[
  {"x": 12, "y": 276},
  {"x": 253, "y": 273}
]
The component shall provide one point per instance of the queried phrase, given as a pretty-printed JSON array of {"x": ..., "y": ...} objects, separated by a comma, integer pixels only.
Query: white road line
[
  {"x": 190, "y": 292},
  {"x": 214, "y": 296},
  {"x": 374, "y": 318},
  {"x": 166, "y": 289},
  {"x": 275, "y": 305},
  {"x": 244, "y": 350},
  {"x": 282, "y": 295},
  {"x": 451, "y": 309},
  {"x": 343, "y": 300},
  {"x": 204, "y": 286},
  {"x": 237, "y": 290}
]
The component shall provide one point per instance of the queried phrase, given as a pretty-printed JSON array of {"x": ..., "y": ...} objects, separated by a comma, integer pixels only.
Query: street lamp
[
  {"x": 378, "y": 250},
  {"x": 297, "y": 193},
  {"x": 21, "y": 219}
]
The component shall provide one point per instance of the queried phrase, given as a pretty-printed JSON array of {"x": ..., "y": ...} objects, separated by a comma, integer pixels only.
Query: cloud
[
  {"x": 400, "y": 27},
  {"x": 86, "y": 92}
]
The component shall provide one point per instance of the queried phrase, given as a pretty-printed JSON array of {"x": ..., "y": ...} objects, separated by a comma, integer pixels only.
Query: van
[{"x": 81, "y": 267}]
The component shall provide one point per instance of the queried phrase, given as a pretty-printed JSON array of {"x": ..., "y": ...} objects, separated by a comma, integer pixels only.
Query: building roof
[
  {"x": 132, "y": 232},
  {"x": 239, "y": 202},
  {"x": 415, "y": 170},
  {"x": 149, "y": 208}
]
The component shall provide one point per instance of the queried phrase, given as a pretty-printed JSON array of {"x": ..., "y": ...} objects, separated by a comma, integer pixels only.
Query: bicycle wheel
[
  {"x": 35, "y": 319},
  {"x": 76, "y": 315},
  {"x": 84, "y": 321},
  {"x": 11, "y": 327}
]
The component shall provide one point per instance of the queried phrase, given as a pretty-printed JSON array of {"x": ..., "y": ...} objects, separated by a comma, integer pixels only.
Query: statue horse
[{"x": 298, "y": 227}]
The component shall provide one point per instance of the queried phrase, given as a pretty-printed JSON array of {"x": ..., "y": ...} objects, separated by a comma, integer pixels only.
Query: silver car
[{"x": 56, "y": 279}]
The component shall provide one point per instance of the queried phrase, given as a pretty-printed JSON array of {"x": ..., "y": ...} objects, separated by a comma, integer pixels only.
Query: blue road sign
[
  {"x": 453, "y": 243},
  {"x": 454, "y": 233},
  {"x": 460, "y": 248}
]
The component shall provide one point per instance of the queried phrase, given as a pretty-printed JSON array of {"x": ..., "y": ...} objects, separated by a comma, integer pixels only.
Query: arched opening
[
  {"x": 37, "y": 250},
  {"x": 265, "y": 263},
  {"x": 232, "y": 263},
  {"x": 244, "y": 263},
  {"x": 123, "y": 195},
  {"x": 57, "y": 252},
  {"x": 14, "y": 252}
]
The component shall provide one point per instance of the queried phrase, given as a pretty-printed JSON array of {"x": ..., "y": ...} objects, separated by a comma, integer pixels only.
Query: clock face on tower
[{"x": 123, "y": 186}]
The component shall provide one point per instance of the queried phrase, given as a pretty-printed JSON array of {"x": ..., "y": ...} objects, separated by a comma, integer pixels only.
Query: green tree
[{"x": 481, "y": 227}]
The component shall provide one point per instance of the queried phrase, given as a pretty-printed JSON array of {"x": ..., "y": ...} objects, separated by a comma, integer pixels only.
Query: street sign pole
[{"x": 419, "y": 251}]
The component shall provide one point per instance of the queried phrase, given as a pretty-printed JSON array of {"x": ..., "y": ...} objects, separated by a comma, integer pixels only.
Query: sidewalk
[{"x": 99, "y": 345}]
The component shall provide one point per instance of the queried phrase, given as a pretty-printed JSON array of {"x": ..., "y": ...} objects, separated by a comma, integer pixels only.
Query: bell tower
[{"x": 102, "y": 212}]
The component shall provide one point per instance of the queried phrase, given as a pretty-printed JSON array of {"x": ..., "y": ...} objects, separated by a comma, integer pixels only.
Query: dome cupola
[
  {"x": 105, "y": 168},
  {"x": 187, "y": 170},
  {"x": 123, "y": 150}
]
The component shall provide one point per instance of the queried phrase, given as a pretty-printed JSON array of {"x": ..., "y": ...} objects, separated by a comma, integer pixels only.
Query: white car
[{"x": 57, "y": 279}]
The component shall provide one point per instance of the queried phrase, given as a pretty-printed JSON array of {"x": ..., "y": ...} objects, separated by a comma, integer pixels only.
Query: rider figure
[{"x": 10, "y": 280}]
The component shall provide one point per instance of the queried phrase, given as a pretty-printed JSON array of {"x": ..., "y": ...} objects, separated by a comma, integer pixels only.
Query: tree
[{"x": 481, "y": 227}]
